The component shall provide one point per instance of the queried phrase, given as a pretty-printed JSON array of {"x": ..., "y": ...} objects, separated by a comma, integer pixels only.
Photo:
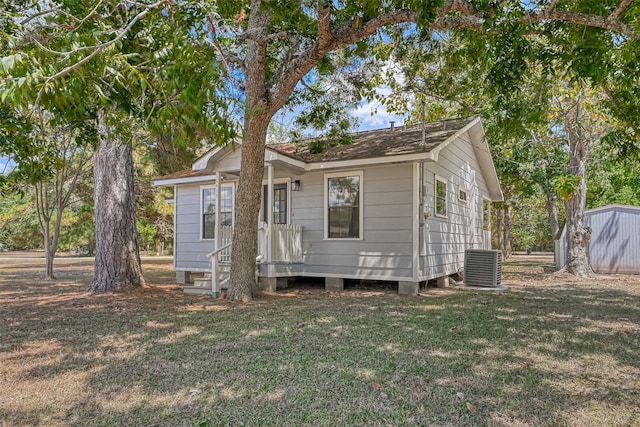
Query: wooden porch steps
[{"x": 202, "y": 285}]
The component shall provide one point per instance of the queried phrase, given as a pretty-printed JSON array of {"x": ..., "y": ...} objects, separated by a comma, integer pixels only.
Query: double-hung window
[
  {"x": 343, "y": 204},
  {"x": 209, "y": 209}
]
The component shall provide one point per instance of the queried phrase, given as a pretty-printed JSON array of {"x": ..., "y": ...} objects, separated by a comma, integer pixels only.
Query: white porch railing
[
  {"x": 215, "y": 256},
  {"x": 222, "y": 254},
  {"x": 286, "y": 246},
  {"x": 226, "y": 236},
  {"x": 286, "y": 243}
]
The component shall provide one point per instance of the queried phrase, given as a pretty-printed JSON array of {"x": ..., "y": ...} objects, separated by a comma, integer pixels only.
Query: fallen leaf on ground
[
  {"x": 471, "y": 407},
  {"x": 376, "y": 385}
]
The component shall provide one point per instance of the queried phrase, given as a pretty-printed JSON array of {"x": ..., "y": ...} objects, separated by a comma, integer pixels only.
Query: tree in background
[
  {"x": 613, "y": 178},
  {"x": 584, "y": 126},
  {"x": 53, "y": 194},
  {"x": 18, "y": 222},
  {"x": 111, "y": 68},
  {"x": 49, "y": 158}
]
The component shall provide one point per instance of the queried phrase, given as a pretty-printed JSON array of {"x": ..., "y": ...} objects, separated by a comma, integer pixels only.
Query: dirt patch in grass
[{"x": 551, "y": 351}]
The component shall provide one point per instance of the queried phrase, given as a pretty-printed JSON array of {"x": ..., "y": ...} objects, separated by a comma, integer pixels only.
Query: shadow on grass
[{"x": 564, "y": 355}]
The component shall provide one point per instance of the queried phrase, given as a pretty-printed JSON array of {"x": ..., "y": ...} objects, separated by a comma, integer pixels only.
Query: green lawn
[{"x": 551, "y": 351}]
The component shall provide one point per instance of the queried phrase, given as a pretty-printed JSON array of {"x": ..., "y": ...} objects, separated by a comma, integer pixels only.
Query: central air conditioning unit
[{"x": 482, "y": 267}]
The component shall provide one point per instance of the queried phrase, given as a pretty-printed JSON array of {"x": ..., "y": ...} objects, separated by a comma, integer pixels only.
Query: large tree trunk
[
  {"x": 578, "y": 235},
  {"x": 245, "y": 232},
  {"x": 117, "y": 262},
  {"x": 257, "y": 116}
]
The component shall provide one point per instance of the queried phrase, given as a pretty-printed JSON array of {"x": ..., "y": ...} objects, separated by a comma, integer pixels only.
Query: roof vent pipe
[{"x": 392, "y": 125}]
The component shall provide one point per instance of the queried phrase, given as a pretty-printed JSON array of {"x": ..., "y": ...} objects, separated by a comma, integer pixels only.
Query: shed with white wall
[{"x": 615, "y": 240}]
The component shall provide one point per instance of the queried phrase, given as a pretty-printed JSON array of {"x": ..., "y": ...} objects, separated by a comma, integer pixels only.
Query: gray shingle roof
[{"x": 377, "y": 143}]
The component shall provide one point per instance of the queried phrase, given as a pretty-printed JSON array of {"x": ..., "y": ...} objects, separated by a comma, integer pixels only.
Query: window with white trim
[
  {"x": 209, "y": 209},
  {"x": 463, "y": 194},
  {"x": 343, "y": 202},
  {"x": 441, "y": 196}
]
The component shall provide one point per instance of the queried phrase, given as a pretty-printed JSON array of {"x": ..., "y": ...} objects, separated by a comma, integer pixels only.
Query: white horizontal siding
[
  {"x": 384, "y": 251},
  {"x": 190, "y": 251},
  {"x": 443, "y": 241}
]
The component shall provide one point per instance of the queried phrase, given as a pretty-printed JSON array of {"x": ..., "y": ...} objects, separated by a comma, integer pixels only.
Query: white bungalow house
[{"x": 398, "y": 204}]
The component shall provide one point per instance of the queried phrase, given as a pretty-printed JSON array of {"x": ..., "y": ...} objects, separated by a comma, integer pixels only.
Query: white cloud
[{"x": 374, "y": 115}]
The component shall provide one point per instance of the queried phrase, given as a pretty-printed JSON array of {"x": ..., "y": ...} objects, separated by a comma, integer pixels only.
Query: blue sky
[
  {"x": 380, "y": 118},
  {"x": 4, "y": 167}
]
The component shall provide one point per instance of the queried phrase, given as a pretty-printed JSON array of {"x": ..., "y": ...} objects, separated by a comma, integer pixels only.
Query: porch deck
[{"x": 281, "y": 244}]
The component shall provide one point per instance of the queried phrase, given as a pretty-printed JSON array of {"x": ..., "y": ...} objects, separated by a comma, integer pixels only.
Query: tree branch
[
  {"x": 99, "y": 48},
  {"x": 351, "y": 32},
  {"x": 214, "y": 36},
  {"x": 606, "y": 23},
  {"x": 457, "y": 22},
  {"x": 552, "y": 5},
  {"x": 461, "y": 6},
  {"x": 28, "y": 19},
  {"x": 324, "y": 27},
  {"x": 615, "y": 15},
  {"x": 342, "y": 36}
]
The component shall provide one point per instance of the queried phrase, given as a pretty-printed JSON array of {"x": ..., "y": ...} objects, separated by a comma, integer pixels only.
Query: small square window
[{"x": 463, "y": 195}]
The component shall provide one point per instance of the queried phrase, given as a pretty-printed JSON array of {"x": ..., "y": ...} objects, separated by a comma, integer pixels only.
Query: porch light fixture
[{"x": 295, "y": 185}]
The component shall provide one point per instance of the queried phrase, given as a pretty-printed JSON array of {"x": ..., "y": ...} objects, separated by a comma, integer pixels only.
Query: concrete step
[
  {"x": 205, "y": 282},
  {"x": 197, "y": 290}
]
